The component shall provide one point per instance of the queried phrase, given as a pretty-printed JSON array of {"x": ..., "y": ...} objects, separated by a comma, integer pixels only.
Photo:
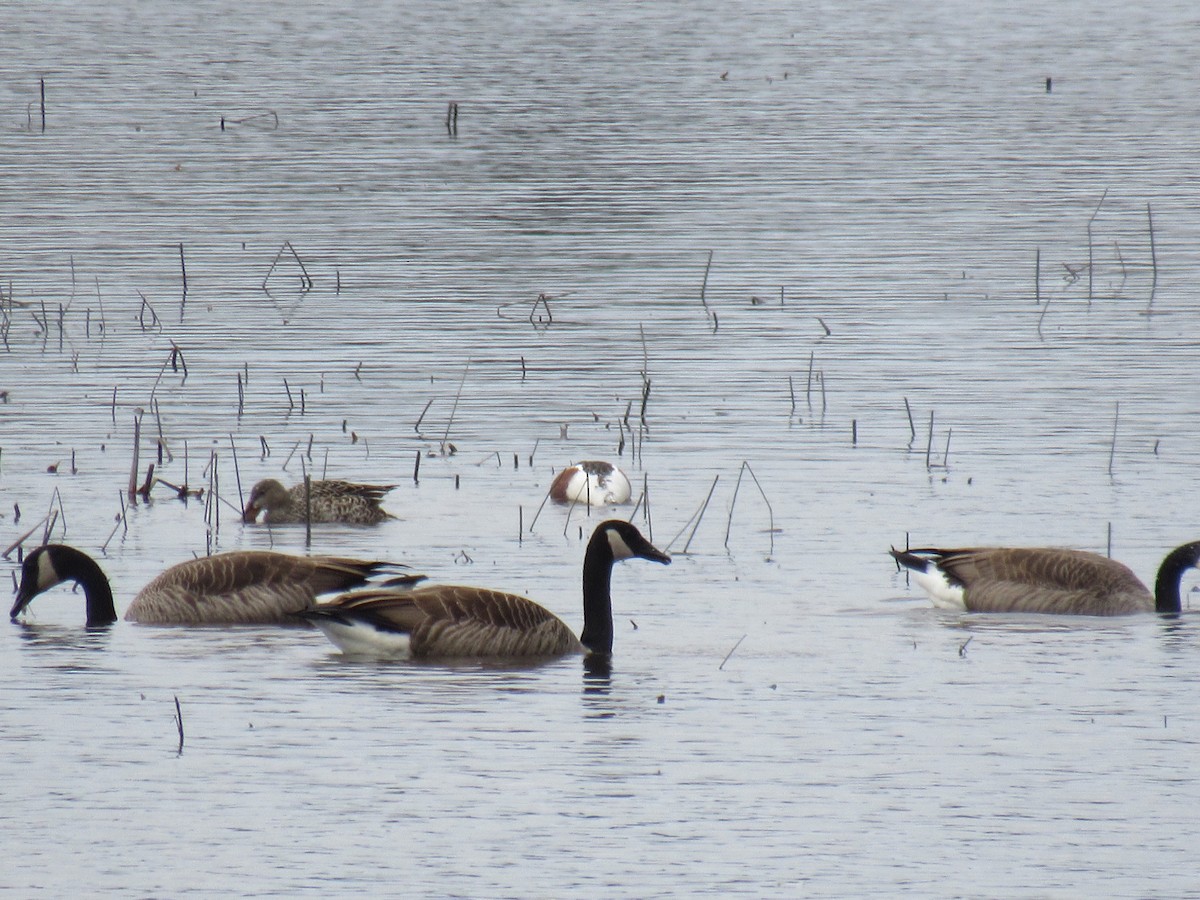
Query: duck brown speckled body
[{"x": 328, "y": 501}]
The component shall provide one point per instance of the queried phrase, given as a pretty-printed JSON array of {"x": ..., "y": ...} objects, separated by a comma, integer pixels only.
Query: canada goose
[
  {"x": 328, "y": 501},
  {"x": 454, "y": 621},
  {"x": 242, "y": 587},
  {"x": 591, "y": 481},
  {"x": 1044, "y": 580}
]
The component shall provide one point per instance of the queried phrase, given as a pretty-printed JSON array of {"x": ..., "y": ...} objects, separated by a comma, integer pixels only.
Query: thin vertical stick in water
[
  {"x": 946, "y": 452},
  {"x": 1045, "y": 308},
  {"x": 1108, "y": 543},
  {"x": 237, "y": 472},
  {"x": 1112, "y": 450},
  {"x": 808, "y": 384},
  {"x": 704, "y": 283},
  {"x": 307, "y": 510},
  {"x": 730, "y": 653},
  {"x": 745, "y": 467},
  {"x": 137, "y": 439},
  {"x": 541, "y": 506},
  {"x": 183, "y": 273},
  {"x": 1095, "y": 213},
  {"x": 1037, "y": 277},
  {"x": 1153, "y": 258},
  {"x": 454, "y": 408},
  {"x": 929, "y": 445},
  {"x": 696, "y": 517},
  {"x": 417, "y": 468},
  {"x": 421, "y": 418},
  {"x": 179, "y": 723},
  {"x": 520, "y": 524},
  {"x": 42, "y": 93},
  {"x": 792, "y": 393},
  {"x": 646, "y": 502},
  {"x": 912, "y": 429}
]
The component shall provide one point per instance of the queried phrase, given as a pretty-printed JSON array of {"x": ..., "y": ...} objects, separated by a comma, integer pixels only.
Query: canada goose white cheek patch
[
  {"x": 620, "y": 549},
  {"x": 46, "y": 576}
]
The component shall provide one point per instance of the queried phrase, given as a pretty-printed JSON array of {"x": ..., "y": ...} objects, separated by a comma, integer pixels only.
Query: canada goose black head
[{"x": 51, "y": 565}]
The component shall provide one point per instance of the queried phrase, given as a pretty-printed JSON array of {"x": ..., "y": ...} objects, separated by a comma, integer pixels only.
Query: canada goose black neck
[
  {"x": 1170, "y": 573},
  {"x": 56, "y": 563},
  {"x": 611, "y": 542},
  {"x": 598, "y": 561}
]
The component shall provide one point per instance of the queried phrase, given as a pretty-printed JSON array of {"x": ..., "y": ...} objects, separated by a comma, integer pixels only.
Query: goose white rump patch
[
  {"x": 360, "y": 639},
  {"x": 943, "y": 594}
]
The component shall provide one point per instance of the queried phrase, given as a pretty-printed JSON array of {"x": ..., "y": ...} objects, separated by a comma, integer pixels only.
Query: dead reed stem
[
  {"x": 137, "y": 437},
  {"x": 929, "y": 445},
  {"x": 1095, "y": 213},
  {"x": 730, "y": 653},
  {"x": 697, "y": 516},
  {"x": 1037, "y": 277},
  {"x": 1112, "y": 449},
  {"x": 704, "y": 284},
  {"x": 745, "y": 467},
  {"x": 183, "y": 274},
  {"x": 179, "y": 723},
  {"x": 1153, "y": 258},
  {"x": 454, "y": 408},
  {"x": 237, "y": 474},
  {"x": 307, "y": 510}
]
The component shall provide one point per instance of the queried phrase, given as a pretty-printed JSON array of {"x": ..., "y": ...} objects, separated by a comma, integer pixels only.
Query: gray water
[{"x": 877, "y": 186}]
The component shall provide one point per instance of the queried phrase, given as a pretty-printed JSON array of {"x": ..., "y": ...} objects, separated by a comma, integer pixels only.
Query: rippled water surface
[{"x": 860, "y": 258}]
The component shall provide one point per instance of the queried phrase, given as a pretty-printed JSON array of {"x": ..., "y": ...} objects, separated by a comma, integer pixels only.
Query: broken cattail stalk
[
  {"x": 237, "y": 474},
  {"x": 421, "y": 418},
  {"x": 704, "y": 283},
  {"x": 1112, "y": 449},
  {"x": 137, "y": 437},
  {"x": 733, "y": 503},
  {"x": 454, "y": 408},
  {"x": 1153, "y": 258},
  {"x": 730, "y": 653},
  {"x": 696, "y": 517},
  {"x": 307, "y": 510},
  {"x": 1037, "y": 277},
  {"x": 929, "y": 445},
  {"x": 912, "y": 429},
  {"x": 1095, "y": 213},
  {"x": 417, "y": 468}
]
